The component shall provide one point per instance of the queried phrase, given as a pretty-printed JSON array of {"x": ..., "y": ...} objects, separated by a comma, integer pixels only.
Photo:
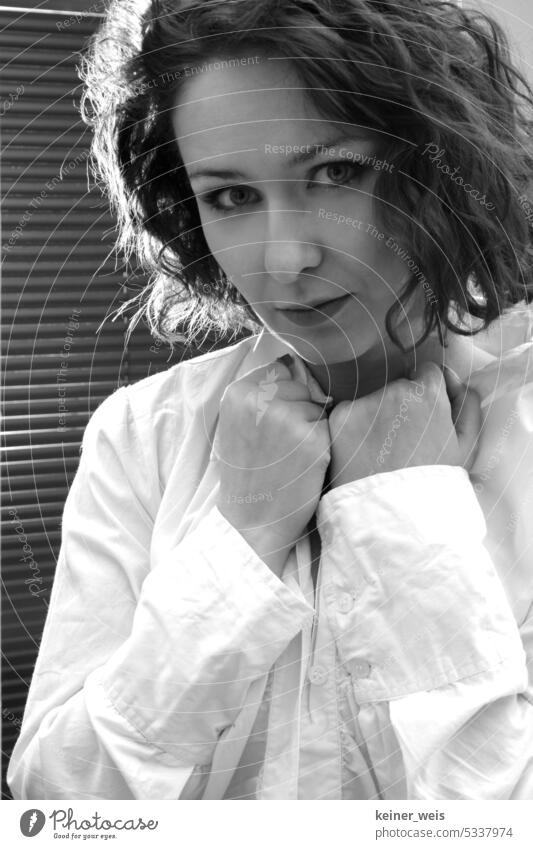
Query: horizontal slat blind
[
  {"x": 59, "y": 283},
  {"x": 52, "y": 304}
]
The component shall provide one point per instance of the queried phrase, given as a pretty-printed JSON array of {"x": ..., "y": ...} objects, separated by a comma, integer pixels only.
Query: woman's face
[{"x": 286, "y": 207}]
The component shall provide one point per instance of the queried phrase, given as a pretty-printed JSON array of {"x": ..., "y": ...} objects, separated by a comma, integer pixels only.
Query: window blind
[{"x": 59, "y": 282}]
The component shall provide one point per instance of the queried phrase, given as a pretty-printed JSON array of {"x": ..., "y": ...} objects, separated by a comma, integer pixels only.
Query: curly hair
[{"x": 422, "y": 73}]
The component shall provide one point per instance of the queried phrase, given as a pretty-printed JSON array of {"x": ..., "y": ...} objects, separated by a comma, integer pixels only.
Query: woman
[{"x": 300, "y": 566}]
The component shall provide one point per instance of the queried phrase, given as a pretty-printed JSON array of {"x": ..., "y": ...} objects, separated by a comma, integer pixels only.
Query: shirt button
[
  {"x": 359, "y": 668},
  {"x": 318, "y": 675},
  {"x": 344, "y": 602}
]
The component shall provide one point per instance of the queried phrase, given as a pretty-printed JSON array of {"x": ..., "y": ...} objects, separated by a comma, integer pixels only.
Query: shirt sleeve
[
  {"x": 436, "y": 658},
  {"x": 142, "y": 665}
]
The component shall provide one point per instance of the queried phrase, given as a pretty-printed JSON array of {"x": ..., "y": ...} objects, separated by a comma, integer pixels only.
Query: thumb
[{"x": 466, "y": 414}]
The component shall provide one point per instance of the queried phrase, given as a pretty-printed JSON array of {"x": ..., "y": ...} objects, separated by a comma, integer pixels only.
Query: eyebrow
[{"x": 316, "y": 149}]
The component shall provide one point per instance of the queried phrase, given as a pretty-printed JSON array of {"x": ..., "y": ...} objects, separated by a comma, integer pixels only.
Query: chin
[{"x": 327, "y": 350}]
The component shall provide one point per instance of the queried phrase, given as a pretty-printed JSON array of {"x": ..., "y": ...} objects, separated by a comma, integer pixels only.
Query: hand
[
  {"x": 432, "y": 419},
  {"x": 274, "y": 450}
]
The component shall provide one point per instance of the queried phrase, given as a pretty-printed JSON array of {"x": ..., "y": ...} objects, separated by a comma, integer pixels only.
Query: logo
[{"x": 32, "y": 822}]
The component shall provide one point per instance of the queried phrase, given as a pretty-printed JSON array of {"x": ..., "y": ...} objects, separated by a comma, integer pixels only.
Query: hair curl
[{"x": 419, "y": 72}]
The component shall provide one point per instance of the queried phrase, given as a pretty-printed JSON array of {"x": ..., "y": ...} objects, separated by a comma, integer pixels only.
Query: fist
[
  {"x": 273, "y": 448},
  {"x": 432, "y": 419}
]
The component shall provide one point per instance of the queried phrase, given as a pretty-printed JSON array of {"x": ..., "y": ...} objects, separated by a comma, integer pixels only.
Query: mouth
[{"x": 315, "y": 313}]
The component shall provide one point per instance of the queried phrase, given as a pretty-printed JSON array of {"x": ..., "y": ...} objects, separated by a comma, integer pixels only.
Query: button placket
[{"x": 318, "y": 675}]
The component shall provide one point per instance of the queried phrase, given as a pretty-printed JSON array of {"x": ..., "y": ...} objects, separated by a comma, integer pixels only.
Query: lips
[
  {"x": 310, "y": 307},
  {"x": 313, "y": 316}
]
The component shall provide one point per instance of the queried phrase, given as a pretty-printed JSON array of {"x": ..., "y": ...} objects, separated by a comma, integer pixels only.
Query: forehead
[{"x": 242, "y": 108}]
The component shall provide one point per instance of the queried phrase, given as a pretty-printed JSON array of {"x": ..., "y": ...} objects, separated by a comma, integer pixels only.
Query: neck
[{"x": 347, "y": 381}]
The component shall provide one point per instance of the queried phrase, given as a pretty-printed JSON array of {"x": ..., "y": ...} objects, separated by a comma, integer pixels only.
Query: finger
[
  {"x": 289, "y": 381},
  {"x": 317, "y": 393},
  {"x": 455, "y": 390},
  {"x": 273, "y": 381},
  {"x": 288, "y": 362},
  {"x": 425, "y": 371},
  {"x": 278, "y": 369},
  {"x": 466, "y": 414},
  {"x": 302, "y": 375},
  {"x": 312, "y": 412},
  {"x": 286, "y": 390}
]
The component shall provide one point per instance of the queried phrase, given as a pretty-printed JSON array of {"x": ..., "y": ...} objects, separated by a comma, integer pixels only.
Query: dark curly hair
[{"x": 420, "y": 72}]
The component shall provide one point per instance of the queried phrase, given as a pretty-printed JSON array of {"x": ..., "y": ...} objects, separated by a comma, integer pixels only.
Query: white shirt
[{"x": 171, "y": 651}]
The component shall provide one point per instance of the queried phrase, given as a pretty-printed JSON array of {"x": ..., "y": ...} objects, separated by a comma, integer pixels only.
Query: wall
[{"x": 517, "y": 18}]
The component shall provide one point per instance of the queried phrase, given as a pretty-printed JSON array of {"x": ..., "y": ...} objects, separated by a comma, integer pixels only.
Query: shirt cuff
[
  {"x": 210, "y": 620},
  {"x": 411, "y": 594}
]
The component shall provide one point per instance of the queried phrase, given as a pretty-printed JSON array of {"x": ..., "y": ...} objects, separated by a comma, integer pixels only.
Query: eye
[
  {"x": 338, "y": 173},
  {"x": 229, "y": 198}
]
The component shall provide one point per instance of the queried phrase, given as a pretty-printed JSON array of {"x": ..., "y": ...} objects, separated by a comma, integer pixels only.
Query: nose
[{"x": 289, "y": 245}]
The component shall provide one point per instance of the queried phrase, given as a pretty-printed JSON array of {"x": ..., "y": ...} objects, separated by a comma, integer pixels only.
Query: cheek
[
  {"x": 240, "y": 263},
  {"x": 368, "y": 243},
  {"x": 388, "y": 270},
  {"x": 224, "y": 244}
]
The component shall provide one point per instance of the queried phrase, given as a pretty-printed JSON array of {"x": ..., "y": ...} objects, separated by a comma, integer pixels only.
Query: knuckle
[
  {"x": 339, "y": 415},
  {"x": 429, "y": 367},
  {"x": 303, "y": 430},
  {"x": 403, "y": 384},
  {"x": 245, "y": 398},
  {"x": 432, "y": 374},
  {"x": 395, "y": 393}
]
